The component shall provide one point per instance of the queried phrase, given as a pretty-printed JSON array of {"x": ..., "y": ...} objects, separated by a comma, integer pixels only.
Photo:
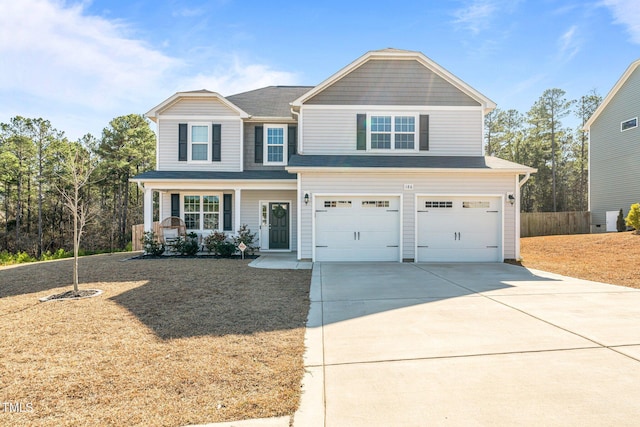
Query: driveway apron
[{"x": 392, "y": 344}]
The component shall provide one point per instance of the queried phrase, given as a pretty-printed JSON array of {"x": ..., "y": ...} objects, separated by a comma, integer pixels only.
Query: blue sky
[{"x": 81, "y": 63}]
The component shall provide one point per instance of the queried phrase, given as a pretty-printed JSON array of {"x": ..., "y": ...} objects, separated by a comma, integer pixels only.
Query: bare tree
[{"x": 80, "y": 164}]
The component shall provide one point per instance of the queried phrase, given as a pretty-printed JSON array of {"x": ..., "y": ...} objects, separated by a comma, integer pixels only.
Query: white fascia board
[
  {"x": 157, "y": 110},
  {"x": 623, "y": 79},
  {"x": 370, "y": 107},
  {"x": 194, "y": 184},
  {"x": 265, "y": 119},
  {"x": 381, "y": 170}
]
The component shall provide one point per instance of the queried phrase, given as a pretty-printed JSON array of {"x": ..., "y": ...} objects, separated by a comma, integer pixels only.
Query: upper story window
[
  {"x": 275, "y": 147},
  {"x": 392, "y": 132},
  {"x": 629, "y": 124},
  {"x": 199, "y": 142}
]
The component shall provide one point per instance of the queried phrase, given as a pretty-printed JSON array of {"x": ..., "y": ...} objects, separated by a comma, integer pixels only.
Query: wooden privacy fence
[
  {"x": 137, "y": 231},
  {"x": 550, "y": 223}
]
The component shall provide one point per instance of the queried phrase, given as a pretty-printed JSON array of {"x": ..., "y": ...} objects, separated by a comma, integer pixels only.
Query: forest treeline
[
  {"x": 34, "y": 217},
  {"x": 33, "y": 153}
]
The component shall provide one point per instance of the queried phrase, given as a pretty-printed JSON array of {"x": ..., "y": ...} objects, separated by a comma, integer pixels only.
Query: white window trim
[
  {"x": 285, "y": 143},
  {"x": 189, "y": 143},
  {"x": 393, "y": 115},
  {"x": 201, "y": 212},
  {"x": 628, "y": 120}
]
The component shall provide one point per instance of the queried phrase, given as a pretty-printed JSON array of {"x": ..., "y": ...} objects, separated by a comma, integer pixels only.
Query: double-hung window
[
  {"x": 199, "y": 141},
  {"x": 275, "y": 137},
  {"x": 392, "y": 132},
  {"x": 202, "y": 212}
]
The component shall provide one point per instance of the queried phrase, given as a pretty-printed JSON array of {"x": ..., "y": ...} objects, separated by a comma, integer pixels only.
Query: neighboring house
[
  {"x": 614, "y": 152},
  {"x": 383, "y": 161}
]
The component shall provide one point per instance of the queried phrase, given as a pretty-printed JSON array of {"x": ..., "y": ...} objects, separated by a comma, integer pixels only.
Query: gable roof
[
  {"x": 270, "y": 101},
  {"x": 202, "y": 93},
  {"x": 391, "y": 53},
  {"x": 612, "y": 93}
]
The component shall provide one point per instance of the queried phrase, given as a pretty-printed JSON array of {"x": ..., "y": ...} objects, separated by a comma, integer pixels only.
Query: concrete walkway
[
  {"x": 280, "y": 261},
  {"x": 481, "y": 344}
]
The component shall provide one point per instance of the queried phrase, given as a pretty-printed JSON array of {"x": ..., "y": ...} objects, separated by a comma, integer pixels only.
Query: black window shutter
[
  {"x": 182, "y": 142},
  {"x": 226, "y": 212},
  {"x": 216, "y": 143},
  {"x": 424, "y": 132},
  {"x": 292, "y": 140},
  {"x": 361, "y": 132},
  {"x": 258, "y": 144},
  {"x": 175, "y": 205}
]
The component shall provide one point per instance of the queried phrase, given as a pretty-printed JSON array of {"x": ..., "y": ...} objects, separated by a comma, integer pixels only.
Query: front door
[{"x": 278, "y": 225}]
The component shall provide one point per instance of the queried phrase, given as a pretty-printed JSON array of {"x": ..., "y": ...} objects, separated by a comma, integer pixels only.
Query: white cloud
[
  {"x": 80, "y": 71},
  {"x": 627, "y": 13},
  {"x": 236, "y": 77},
  {"x": 476, "y": 15},
  {"x": 54, "y": 51},
  {"x": 569, "y": 44}
]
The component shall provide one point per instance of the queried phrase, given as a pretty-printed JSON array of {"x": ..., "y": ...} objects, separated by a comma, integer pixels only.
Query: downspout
[
  {"x": 297, "y": 114},
  {"x": 524, "y": 180}
]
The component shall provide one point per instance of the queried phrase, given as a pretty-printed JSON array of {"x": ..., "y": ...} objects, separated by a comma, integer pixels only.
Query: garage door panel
[
  {"x": 457, "y": 229},
  {"x": 357, "y": 228}
]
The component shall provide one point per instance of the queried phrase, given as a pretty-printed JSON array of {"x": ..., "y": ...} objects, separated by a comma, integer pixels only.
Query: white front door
[
  {"x": 459, "y": 229},
  {"x": 357, "y": 228}
]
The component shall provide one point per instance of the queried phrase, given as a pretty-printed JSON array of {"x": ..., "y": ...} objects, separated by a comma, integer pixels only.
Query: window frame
[
  {"x": 201, "y": 212},
  {"x": 623, "y": 129},
  {"x": 394, "y": 132},
  {"x": 266, "y": 145},
  {"x": 190, "y": 142}
]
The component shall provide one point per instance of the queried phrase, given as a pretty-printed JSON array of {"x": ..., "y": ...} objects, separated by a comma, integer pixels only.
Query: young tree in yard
[{"x": 79, "y": 165}]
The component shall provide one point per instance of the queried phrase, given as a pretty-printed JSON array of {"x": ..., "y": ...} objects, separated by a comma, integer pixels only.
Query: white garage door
[
  {"x": 459, "y": 229},
  {"x": 357, "y": 228}
]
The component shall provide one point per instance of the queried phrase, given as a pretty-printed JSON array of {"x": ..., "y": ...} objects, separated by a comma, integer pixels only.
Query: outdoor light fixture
[
  {"x": 306, "y": 198},
  {"x": 511, "y": 198}
]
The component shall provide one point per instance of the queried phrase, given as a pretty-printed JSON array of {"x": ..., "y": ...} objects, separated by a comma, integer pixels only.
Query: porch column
[
  {"x": 148, "y": 209},
  {"x": 237, "y": 198}
]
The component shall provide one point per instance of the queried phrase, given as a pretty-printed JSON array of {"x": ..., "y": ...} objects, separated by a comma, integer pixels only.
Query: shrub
[
  {"x": 620, "y": 222},
  {"x": 187, "y": 245},
  {"x": 633, "y": 218},
  {"x": 151, "y": 245},
  {"x": 226, "y": 249},
  {"x": 59, "y": 254},
  {"x": 245, "y": 236},
  {"x": 213, "y": 241}
]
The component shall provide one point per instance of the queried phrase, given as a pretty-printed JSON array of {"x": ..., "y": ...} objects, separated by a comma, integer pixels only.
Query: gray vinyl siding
[
  {"x": 249, "y": 150},
  {"x": 250, "y": 213},
  {"x": 434, "y": 183},
  {"x": 392, "y": 82},
  {"x": 199, "y": 107},
  {"x": 614, "y": 171},
  {"x": 231, "y": 146},
  {"x": 452, "y": 132}
]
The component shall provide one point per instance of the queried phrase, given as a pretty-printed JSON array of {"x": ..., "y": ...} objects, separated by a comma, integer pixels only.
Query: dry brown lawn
[
  {"x": 170, "y": 342},
  {"x": 610, "y": 258}
]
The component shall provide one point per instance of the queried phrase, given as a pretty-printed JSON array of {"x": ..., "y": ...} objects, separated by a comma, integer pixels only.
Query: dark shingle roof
[
  {"x": 209, "y": 175},
  {"x": 271, "y": 101},
  {"x": 415, "y": 162}
]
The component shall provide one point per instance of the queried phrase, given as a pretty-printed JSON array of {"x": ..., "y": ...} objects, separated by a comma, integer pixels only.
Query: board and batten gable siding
[
  {"x": 198, "y": 107},
  {"x": 452, "y": 131},
  {"x": 615, "y": 155},
  {"x": 392, "y": 82},
  {"x": 393, "y": 184},
  {"x": 230, "y": 146},
  {"x": 250, "y": 210}
]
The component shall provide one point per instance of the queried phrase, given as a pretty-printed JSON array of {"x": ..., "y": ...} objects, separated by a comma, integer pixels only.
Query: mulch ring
[{"x": 72, "y": 295}]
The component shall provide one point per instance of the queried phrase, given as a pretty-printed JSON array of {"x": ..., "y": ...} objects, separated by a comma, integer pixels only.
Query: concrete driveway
[{"x": 392, "y": 344}]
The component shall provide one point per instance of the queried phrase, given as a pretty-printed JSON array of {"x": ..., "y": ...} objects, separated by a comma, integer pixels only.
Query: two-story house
[
  {"x": 614, "y": 142},
  {"x": 383, "y": 161}
]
